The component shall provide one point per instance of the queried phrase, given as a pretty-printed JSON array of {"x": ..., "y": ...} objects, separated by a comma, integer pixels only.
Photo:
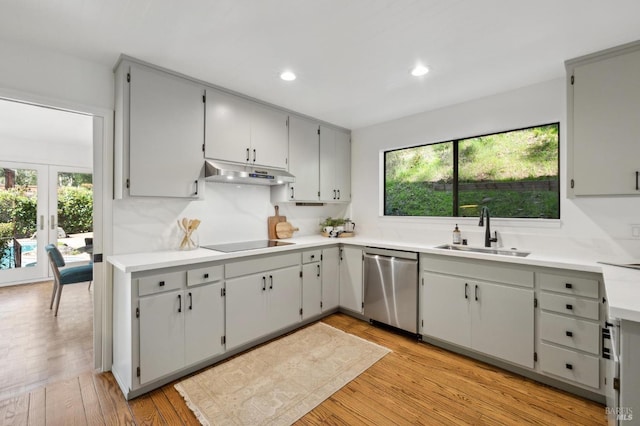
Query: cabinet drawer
[
  {"x": 570, "y": 332},
  {"x": 162, "y": 282},
  {"x": 311, "y": 256},
  {"x": 567, "y": 284},
  {"x": 205, "y": 275},
  {"x": 571, "y": 365},
  {"x": 478, "y": 270},
  {"x": 261, "y": 264},
  {"x": 570, "y": 305}
]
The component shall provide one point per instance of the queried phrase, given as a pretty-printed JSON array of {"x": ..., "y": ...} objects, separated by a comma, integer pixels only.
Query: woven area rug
[{"x": 280, "y": 382}]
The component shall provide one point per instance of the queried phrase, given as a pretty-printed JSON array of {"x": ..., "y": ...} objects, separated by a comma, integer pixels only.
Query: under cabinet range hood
[{"x": 220, "y": 171}]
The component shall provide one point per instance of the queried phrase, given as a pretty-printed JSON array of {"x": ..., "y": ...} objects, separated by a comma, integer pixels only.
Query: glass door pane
[
  {"x": 72, "y": 199},
  {"x": 22, "y": 222}
]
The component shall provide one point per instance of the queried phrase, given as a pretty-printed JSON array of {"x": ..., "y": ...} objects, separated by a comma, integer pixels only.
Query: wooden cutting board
[
  {"x": 272, "y": 221},
  {"x": 285, "y": 230}
]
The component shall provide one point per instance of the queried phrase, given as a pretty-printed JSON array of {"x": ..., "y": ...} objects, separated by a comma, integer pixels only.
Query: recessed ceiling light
[
  {"x": 288, "y": 76},
  {"x": 419, "y": 70}
]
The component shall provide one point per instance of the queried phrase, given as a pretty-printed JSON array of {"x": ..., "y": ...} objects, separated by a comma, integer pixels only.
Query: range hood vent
[{"x": 219, "y": 171}]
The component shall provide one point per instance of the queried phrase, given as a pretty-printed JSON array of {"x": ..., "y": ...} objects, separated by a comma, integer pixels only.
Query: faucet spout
[{"x": 484, "y": 212}]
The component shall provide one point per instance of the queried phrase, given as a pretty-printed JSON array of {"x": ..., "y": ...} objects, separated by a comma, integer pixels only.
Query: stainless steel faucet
[{"x": 487, "y": 232}]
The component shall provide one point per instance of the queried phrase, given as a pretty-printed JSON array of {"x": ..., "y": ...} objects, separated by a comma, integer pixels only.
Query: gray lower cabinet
[
  {"x": 351, "y": 279},
  {"x": 263, "y": 296},
  {"x": 311, "y": 284},
  {"x": 330, "y": 278},
  {"x": 165, "y": 321},
  {"x": 489, "y": 309}
]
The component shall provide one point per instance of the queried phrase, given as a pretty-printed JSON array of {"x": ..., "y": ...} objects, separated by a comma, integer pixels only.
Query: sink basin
[{"x": 501, "y": 252}]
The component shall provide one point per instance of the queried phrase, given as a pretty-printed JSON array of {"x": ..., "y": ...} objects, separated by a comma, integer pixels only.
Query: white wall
[
  {"x": 229, "y": 212},
  {"x": 595, "y": 228}
]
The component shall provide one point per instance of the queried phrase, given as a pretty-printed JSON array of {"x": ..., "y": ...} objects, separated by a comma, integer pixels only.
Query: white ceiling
[{"x": 352, "y": 57}]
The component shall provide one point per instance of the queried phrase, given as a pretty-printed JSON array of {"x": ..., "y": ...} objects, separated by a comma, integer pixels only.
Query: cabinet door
[
  {"x": 606, "y": 133},
  {"x": 269, "y": 137},
  {"x": 328, "y": 190},
  {"x": 342, "y": 164},
  {"x": 228, "y": 127},
  {"x": 304, "y": 159},
  {"x": 311, "y": 289},
  {"x": 502, "y": 322},
  {"x": 166, "y": 122},
  {"x": 204, "y": 322},
  {"x": 285, "y": 298},
  {"x": 330, "y": 278},
  {"x": 445, "y": 308},
  {"x": 161, "y": 335},
  {"x": 351, "y": 278},
  {"x": 246, "y": 309}
]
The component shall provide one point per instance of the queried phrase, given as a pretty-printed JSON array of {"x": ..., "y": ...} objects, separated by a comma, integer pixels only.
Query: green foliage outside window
[{"x": 514, "y": 173}]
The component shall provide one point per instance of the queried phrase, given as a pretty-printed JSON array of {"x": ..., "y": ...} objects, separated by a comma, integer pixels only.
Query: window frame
[{"x": 455, "y": 189}]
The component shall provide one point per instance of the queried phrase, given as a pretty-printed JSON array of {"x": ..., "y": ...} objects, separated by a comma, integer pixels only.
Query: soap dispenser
[{"x": 457, "y": 238}]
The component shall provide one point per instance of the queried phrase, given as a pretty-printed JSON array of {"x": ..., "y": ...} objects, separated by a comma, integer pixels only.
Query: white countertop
[{"x": 622, "y": 285}]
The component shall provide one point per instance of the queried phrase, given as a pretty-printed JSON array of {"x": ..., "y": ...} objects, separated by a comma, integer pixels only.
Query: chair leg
[
  {"x": 58, "y": 301},
  {"x": 53, "y": 293}
]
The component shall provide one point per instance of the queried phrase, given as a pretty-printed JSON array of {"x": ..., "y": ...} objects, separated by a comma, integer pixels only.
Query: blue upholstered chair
[{"x": 62, "y": 277}]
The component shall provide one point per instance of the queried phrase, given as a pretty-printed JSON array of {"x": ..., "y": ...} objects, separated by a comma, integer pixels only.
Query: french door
[{"x": 29, "y": 221}]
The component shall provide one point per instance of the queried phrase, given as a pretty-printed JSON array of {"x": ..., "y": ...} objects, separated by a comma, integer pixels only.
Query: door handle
[
  {"x": 270, "y": 282},
  {"x": 254, "y": 155},
  {"x": 190, "y": 301},
  {"x": 466, "y": 286},
  {"x": 264, "y": 283},
  {"x": 338, "y": 194},
  {"x": 292, "y": 192},
  {"x": 476, "y": 292},
  {"x": 318, "y": 270},
  {"x": 53, "y": 222},
  {"x": 196, "y": 193},
  {"x": 637, "y": 188},
  {"x": 247, "y": 155},
  {"x": 334, "y": 194},
  {"x": 179, "y": 303}
]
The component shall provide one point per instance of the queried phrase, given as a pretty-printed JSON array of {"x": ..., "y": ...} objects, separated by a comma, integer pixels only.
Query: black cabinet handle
[
  {"x": 292, "y": 192},
  {"x": 476, "y": 292},
  {"x": 254, "y": 155},
  {"x": 334, "y": 194},
  {"x": 637, "y": 188},
  {"x": 569, "y": 333},
  {"x": 466, "y": 286},
  {"x": 338, "y": 194},
  {"x": 179, "y": 303},
  {"x": 264, "y": 283},
  {"x": 161, "y": 283},
  {"x": 569, "y": 366},
  {"x": 568, "y": 285},
  {"x": 247, "y": 154},
  {"x": 318, "y": 270},
  {"x": 196, "y": 193},
  {"x": 190, "y": 301},
  {"x": 569, "y": 306},
  {"x": 270, "y": 282},
  {"x": 206, "y": 275}
]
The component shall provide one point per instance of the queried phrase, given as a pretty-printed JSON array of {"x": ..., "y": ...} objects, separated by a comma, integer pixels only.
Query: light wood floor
[{"x": 415, "y": 384}]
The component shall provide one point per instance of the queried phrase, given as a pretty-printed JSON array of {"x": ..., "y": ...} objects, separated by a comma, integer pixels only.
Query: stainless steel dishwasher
[{"x": 391, "y": 288}]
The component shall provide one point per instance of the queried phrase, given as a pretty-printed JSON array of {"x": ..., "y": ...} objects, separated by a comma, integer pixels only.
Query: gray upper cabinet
[
  {"x": 335, "y": 165},
  {"x": 159, "y": 130},
  {"x": 304, "y": 161},
  {"x": 603, "y": 101},
  {"x": 241, "y": 131}
]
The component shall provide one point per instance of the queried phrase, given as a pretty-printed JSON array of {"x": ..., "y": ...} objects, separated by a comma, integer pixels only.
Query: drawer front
[
  {"x": 162, "y": 282},
  {"x": 311, "y": 256},
  {"x": 260, "y": 264},
  {"x": 567, "y": 284},
  {"x": 205, "y": 275},
  {"x": 570, "y": 332},
  {"x": 478, "y": 269},
  {"x": 570, "y": 305},
  {"x": 571, "y": 365}
]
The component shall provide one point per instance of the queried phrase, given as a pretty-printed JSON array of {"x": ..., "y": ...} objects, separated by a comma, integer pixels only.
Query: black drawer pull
[
  {"x": 569, "y": 333},
  {"x": 206, "y": 275},
  {"x": 569, "y": 366},
  {"x": 161, "y": 283},
  {"x": 568, "y": 285},
  {"x": 313, "y": 256},
  {"x": 569, "y": 306}
]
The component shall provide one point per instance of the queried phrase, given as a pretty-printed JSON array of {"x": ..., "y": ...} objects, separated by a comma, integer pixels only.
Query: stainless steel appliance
[
  {"x": 246, "y": 245},
  {"x": 391, "y": 288}
]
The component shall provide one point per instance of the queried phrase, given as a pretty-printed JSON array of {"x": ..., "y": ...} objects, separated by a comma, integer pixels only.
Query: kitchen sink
[{"x": 487, "y": 250}]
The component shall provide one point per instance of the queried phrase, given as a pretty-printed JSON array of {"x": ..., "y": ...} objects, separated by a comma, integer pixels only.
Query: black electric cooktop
[{"x": 246, "y": 245}]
